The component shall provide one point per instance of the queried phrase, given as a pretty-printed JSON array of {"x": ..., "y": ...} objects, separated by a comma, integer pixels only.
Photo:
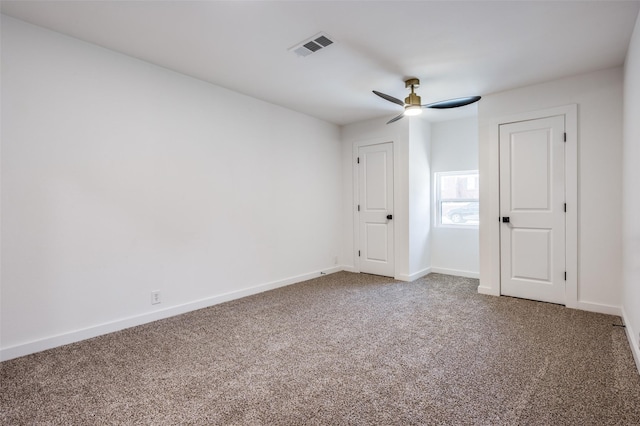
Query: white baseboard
[
  {"x": 120, "y": 324},
  {"x": 349, "y": 268},
  {"x": 315, "y": 274},
  {"x": 414, "y": 276},
  {"x": 632, "y": 336},
  {"x": 599, "y": 308},
  {"x": 456, "y": 272},
  {"x": 489, "y": 291}
]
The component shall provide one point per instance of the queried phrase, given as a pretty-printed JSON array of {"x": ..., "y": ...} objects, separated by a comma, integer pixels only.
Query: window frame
[{"x": 438, "y": 200}]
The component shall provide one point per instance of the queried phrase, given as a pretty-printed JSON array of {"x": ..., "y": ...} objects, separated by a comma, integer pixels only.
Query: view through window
[{"x": 457, "y": 195}]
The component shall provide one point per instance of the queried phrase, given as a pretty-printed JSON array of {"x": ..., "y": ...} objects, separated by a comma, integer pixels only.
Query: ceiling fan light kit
[
  {"x": 412, "y": 110},
  {"x": 413, "y": 104}
]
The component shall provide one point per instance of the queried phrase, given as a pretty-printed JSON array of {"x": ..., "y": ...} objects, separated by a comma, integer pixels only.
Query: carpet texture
[{"x": 337, "y": 350}]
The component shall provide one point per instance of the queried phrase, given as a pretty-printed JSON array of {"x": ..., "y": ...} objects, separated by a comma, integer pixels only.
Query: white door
[
  {"x": 375, "y": 185},
  {"x": 532, "y": 209}
]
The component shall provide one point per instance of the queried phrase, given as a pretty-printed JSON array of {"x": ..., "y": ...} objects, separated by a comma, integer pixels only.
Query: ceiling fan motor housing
[{"x": 412, "y": 99}]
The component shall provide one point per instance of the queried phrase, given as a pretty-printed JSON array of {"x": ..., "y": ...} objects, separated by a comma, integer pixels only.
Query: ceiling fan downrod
[{"x": 413, "y": 99}]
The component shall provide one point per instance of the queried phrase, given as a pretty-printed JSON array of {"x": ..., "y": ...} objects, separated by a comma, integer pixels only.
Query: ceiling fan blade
[
  {"x": 389, "y": 98},
  {"x": 453, "y": 103},
  {"x": 394, "y": 119}
]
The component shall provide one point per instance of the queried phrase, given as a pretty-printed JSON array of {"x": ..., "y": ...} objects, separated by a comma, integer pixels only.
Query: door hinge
[
  {"x": 358, "y": 253},
  {"x": 358, "y": 207},
  {"x": 358, "y": 160},
  {"x": 565, "y": 275},
  {"x": 565, "y": 136},
  {"x": 565, "y": 207}
]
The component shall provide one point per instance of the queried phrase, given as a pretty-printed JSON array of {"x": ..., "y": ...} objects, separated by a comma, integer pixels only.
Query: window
[{"x": 457, "y": 196}]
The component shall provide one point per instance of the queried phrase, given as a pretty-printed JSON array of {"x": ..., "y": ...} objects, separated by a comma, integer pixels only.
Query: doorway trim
[
  {"x": 490, "y": 277},
  {"x": 356, "y": 145}
]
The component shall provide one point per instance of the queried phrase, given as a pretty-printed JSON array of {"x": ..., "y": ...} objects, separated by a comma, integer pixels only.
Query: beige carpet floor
[{"x": 345, "y": 349}]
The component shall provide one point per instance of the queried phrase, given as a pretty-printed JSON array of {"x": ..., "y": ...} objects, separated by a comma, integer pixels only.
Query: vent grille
[
  {"x": 323, "y": 40},
  {"x": 312, "y": 45}
]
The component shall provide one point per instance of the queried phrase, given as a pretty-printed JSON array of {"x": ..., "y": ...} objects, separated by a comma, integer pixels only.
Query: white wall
[
  {"x": 599, "y": 99},
  {"x": 419, "y": 198},
  {"x": 631, "y": 194},
  {"x": 120, "y": 177},
  {"x": 454, "y": 147}
]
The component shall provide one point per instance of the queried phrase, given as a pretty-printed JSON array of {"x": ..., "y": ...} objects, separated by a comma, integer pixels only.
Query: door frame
[
  {"x": 491, "y": 276},
  {"x": 356, "y": 199}
]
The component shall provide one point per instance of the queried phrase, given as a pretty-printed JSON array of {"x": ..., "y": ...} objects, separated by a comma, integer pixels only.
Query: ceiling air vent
[{"x": 312, "y": 45}]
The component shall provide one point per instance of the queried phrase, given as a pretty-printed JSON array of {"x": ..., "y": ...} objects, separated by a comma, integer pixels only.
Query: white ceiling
[{"x": 456, "y": 48}]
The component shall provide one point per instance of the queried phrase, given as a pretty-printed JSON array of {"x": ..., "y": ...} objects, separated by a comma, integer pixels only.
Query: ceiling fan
[{"x": 412, "y": 104}]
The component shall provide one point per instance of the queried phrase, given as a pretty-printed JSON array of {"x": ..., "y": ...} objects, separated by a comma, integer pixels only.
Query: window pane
[
  {"x": 464, "y": 186},
  {"x": 460, "y": 213}
]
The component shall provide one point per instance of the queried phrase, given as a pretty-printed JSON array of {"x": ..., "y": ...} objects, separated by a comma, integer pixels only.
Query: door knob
[
  {"x": 505, "y": 219},
  {"x": 389, "y": 216}
]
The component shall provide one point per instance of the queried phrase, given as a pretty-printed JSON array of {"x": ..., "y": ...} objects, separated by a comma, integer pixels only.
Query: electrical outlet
[
  {"x": 155, "y": 297},
  {"x": 335, "y": 260}
]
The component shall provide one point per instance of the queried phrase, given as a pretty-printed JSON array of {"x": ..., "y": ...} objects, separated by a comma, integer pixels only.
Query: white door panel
[
  {"x": 375, "y": 164},
  {"x": 375, "y": 180},
  {"x": 532, "y": 196},
  {"x": 531, "y": 254},
  {"x": 530, "y": 170},
  {"x": 376, "y": 242}
]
